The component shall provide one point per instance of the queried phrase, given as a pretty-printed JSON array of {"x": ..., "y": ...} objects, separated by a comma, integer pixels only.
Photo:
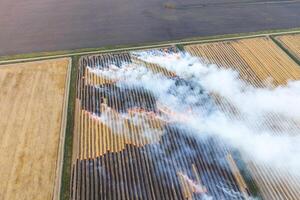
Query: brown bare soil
[{"x": 31, "y": 107}]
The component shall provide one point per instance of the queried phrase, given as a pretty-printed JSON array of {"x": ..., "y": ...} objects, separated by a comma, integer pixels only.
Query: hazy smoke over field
[{"x": 263, "y": 123}]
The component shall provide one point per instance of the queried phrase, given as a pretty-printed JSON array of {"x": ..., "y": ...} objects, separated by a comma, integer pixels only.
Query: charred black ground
[{"x": 151, "y": 171}]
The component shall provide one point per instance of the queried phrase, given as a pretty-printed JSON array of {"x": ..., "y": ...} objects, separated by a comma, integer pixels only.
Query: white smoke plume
[
  {"x": 117, "y": 122},
  {"x": 264, "y": 124}
]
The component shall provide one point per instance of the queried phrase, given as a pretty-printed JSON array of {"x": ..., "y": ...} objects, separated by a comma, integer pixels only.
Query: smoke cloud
[{"x": 262, "y": 123}]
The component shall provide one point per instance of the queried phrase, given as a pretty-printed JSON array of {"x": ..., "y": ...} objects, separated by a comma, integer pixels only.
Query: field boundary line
[
  {"x": 68, "y": 143},
  {"x": 59, "y": 163},
  {"x": 170, "y": 43},
  {"x": 289, "y": 52}
]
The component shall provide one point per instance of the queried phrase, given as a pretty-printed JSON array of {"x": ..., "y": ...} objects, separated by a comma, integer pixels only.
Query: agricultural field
[
  {"x": 260, "y": 62},
  {"x": 166, "y": 123},
  {"x": 32, "y": 128},
  {"x": 125, "y": 149},
  {"x": 77, "y": 24},
  {"x": 161, "y": 99},
  {"x": 130, "y": 144},
  {"x": 291, "y": 42}
]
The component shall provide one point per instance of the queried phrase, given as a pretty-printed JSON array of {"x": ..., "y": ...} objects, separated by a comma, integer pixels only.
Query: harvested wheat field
[
  {"x": 127, "y": 147},
  {"x": 291, "y": 42},
  {"x": 32, "y": 128},
  {"x": 150, "y": 124},
  {"x": 260, "y": 62}
]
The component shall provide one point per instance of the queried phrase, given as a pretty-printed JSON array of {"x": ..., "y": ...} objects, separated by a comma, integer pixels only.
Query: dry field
[
  {"x": 291, "y": 42},
  {"x": 258, "y": 59},
  {"x": 115, "y": 156},
  {"x": 124, "y": 149},
  {"x": 114, "y": 140},
  {"x": 32, "y": 114}
]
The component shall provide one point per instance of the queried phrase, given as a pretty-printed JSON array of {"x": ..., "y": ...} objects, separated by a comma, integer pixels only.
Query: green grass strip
[
  {"x": 286, "y": 50},
  {"x": 68, "y": 146},
  {"x": 84, "y": 51}
]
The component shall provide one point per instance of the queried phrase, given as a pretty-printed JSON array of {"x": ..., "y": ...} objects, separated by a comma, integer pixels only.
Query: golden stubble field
[
  {"x": 291, "y": 42},
  {"x": 32, "y": 103},
  {"x": 258, "y": 60}
]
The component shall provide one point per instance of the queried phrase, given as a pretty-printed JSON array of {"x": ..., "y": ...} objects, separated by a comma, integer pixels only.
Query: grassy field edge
[
  {"x": 67, "y": 159},
  {"x": 285, "y": 49},
  {"x": 117, "y": 48}
]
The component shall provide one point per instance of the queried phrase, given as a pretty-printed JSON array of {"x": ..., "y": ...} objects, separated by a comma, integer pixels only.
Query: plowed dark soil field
[{"x": 48, "y": 25}]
